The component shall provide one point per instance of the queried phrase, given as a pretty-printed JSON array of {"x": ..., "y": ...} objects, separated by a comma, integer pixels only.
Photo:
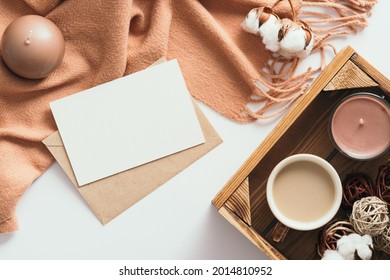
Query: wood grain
[
  {"x": 252, "y": 235},
  {"x": 345, "y": 165},
  {"x": 350, "y": 76},
  {"x": 382, "y": 81},
  {"x": 239, "y": 202}
]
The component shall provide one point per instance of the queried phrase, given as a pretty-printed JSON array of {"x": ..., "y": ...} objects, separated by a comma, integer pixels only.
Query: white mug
[{"x": 334, "y": 190}]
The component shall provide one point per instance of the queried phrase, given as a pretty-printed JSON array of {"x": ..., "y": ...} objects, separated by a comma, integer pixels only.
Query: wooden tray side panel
[
  {"x": 378, "y": 77},
  {"x": 252, "y": 235},
  {"x": 239, "y": 202},
  {"x": 350, "y": 76}
]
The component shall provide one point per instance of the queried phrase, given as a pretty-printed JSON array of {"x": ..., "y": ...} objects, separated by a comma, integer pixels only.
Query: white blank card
[{"x": 127, "y": 122}]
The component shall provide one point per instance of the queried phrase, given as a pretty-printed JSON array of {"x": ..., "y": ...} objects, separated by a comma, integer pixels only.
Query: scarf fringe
[{"x": 279, "y": 83}]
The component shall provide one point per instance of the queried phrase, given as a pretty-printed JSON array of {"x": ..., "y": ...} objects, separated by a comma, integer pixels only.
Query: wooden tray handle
[{"x": 279, "y": 233}]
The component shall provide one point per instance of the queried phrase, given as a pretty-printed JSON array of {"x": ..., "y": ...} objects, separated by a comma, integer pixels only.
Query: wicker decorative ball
[
  {"x": 383, "y": 183},
  {"x": 331, "y": 233},
  {"x": 355, "y": 187},
  {"x": 382, "y": 242},
  {"x": 370, "y": 215}
]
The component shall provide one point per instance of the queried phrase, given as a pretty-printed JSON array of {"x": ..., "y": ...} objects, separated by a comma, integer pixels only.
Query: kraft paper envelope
[{"x": 111, "y": 196}]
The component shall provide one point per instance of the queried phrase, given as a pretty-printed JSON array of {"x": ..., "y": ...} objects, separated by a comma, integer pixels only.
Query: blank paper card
[{"x": 127, "y": 122}]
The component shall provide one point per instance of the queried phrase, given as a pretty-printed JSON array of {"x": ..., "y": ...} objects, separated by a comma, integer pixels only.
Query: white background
[{"x": 177, "y": 221}]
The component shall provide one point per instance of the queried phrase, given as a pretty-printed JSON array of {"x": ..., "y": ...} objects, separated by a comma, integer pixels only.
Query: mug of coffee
[{"x": 304, "y": 192}]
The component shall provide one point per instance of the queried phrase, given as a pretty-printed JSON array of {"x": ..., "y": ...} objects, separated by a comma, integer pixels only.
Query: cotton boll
[
  {"x": 283, "y": 37},
  {"x": 344, "y": 239},
  {"x": 292, "y": 36},
  {"x": 346, "y": 245},
  {"x": 269, "y": 31},
  {"x": 306, "y": 52},
  {"x": 349, "y": 244},
  {"x": 296, "y": 39},
  {"x": 251, "y": 23},
  {"x": 332, "y": 255},
  {"x": 351, "y": 238},
  {"x": 364, "y": 251},
  {"x": 286, "y": 54},
  {"x": 292, "y": 39},
  {"x": 366, "y": 239},
  {"x": 347, "y": 250},
  {"x": 364, "y": 247}
]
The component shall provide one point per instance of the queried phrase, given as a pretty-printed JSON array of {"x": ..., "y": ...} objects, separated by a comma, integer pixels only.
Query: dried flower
[
  {"x": 355, "y": 187},
  {"x": 383, "y": 183}
]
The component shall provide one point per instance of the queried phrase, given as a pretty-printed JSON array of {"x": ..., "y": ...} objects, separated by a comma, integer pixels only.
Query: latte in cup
[{"x": 304, "y": 192}]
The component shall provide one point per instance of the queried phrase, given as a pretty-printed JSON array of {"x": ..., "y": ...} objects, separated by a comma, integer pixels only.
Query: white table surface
[{"x": 177, "y": 221}]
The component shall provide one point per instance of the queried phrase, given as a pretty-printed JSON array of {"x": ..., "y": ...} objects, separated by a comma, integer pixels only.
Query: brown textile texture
[{"x": 108, "y": 39}]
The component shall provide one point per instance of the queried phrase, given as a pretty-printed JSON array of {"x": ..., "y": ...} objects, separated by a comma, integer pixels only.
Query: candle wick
[
  {"x": 361, "y": 121},
  {"x": 28, "y": 41}
]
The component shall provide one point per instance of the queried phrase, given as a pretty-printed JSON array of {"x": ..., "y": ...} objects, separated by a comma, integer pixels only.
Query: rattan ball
[
  {"x": 331, "y": 233},
  {"x": 382, "y": 242},
  {"x": 383, "y": 183},
  {"x": 370, "y": 215},
  {"x": 355, "y": 187}
]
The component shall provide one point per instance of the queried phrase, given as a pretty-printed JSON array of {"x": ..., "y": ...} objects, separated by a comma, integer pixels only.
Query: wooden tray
[{"x": 304, "y": 129}]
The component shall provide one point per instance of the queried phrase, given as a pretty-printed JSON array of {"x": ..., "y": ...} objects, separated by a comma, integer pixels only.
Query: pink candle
[{"x": 360, "y": 126}]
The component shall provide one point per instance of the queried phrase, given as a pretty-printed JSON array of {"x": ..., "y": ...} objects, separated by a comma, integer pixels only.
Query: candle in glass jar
[
  {"x": 360, "y": 126},
  {"x": 32, "y": 46}
]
